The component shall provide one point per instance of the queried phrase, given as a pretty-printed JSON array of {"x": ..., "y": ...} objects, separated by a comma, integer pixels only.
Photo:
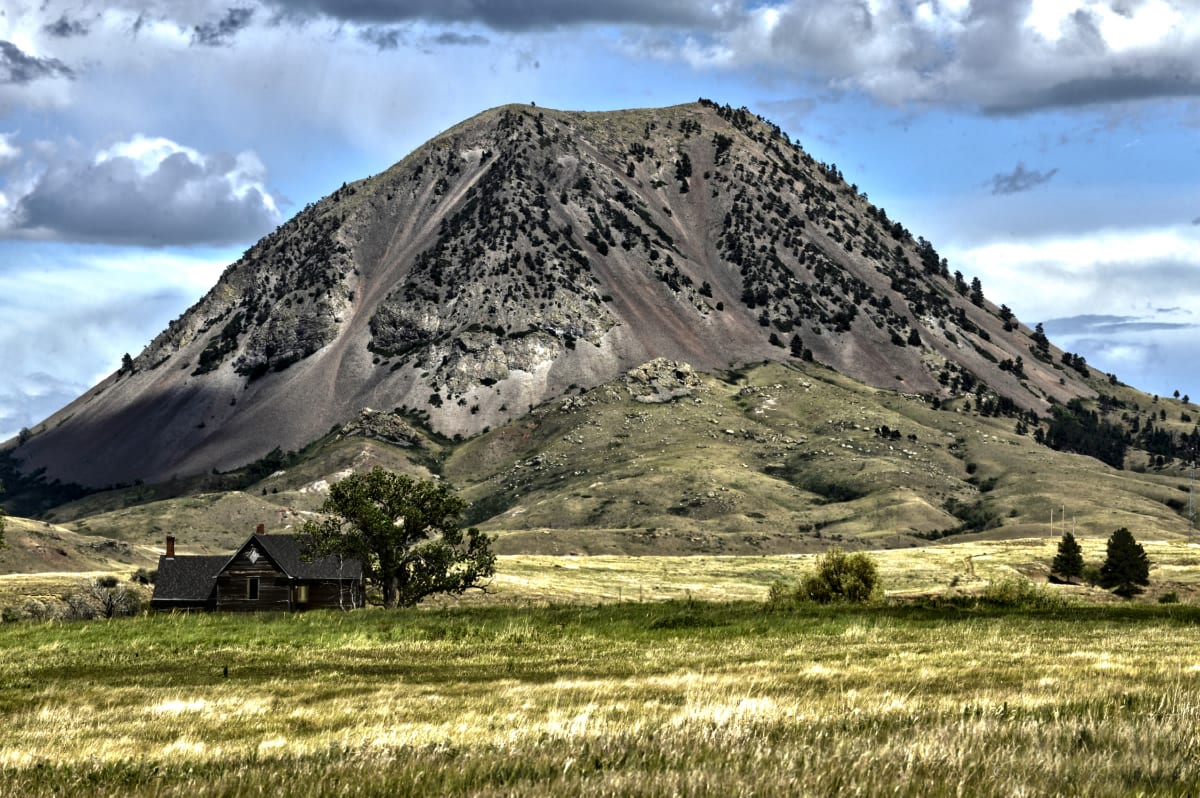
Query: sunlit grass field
[{"x": 667, "y": 698}]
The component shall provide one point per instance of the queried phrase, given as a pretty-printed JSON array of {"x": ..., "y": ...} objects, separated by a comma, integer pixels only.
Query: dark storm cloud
[
  {"x": 510, "y": 15},
  {"x": 19, "y": 67},
  {"x": 181, "y": 201},
  {"x": 222, "y": 31},
  {"x": 65, "y": 28},
  {"x": 1020, "y": 179}
]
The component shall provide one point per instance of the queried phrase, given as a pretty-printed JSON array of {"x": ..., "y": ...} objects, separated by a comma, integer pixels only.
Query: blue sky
[{"x": 1050, "y": 148}]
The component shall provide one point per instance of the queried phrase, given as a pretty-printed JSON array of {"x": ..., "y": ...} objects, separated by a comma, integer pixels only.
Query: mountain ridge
[{"x": 526, "y": 252}]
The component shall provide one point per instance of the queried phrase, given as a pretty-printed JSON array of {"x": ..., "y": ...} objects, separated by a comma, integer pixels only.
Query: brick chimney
[
  {"x": 262, "y": 529},
  {"x": 170, "y": 547}
]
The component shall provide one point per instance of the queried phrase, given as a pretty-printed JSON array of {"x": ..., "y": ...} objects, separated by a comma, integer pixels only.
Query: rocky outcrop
[
  {"x": 661, "y": 381},
  {"x": 388, "y": 427}
]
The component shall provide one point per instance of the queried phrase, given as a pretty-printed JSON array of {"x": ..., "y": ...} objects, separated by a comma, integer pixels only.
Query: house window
[
  {"x": 252, "y": 588},
  {"x": 302, "y": 594}
]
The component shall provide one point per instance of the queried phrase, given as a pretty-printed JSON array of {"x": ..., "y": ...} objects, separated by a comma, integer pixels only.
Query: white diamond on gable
[{"x": 253, "y": 555}]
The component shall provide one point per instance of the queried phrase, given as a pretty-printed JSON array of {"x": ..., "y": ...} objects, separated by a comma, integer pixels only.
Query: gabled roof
[
  {"x": 190, "y": 578},
  {"x": 287, "y": 552}
]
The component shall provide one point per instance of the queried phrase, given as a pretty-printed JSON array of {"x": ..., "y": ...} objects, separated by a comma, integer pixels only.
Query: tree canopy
[
  {"x": 406, "y": 533},
  {"x": 1126, "y": 568}
]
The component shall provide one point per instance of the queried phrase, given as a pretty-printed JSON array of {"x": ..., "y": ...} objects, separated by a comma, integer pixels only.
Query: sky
[{"x": 1050, "y": 148}]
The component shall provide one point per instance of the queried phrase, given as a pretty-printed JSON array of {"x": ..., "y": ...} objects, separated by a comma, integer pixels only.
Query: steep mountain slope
[{"x": 526, "y": 252}]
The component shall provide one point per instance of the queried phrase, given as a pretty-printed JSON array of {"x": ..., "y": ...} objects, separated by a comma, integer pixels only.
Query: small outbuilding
[{"x": 268, "y": 573}]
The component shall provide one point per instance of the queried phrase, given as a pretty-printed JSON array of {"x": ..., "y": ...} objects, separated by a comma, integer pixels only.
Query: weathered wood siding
[
  {"x": 274, "y": 588},
  {"x": 324, "y": 595}
]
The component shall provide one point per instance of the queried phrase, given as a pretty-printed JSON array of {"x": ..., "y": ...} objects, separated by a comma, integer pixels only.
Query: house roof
[
  {"x": 288, "y": 553},
  {"x": 189, "y": 578}
]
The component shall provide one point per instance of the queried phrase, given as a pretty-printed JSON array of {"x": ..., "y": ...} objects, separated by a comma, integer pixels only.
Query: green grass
[{"x": 630, "y": 699}]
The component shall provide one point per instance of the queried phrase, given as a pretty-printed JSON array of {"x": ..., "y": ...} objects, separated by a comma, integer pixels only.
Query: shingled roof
[
  {"x": 288, "y": 553},
  {"x": 187, "y": 579}
]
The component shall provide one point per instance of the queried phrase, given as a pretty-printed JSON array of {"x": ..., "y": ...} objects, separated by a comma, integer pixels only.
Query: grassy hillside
[
  {"x": 768, "y": 459},
  {"x": 677, "y": 698}
]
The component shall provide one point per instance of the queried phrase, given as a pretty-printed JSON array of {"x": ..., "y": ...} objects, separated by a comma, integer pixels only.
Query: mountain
[{"x": 526, "y": 253}]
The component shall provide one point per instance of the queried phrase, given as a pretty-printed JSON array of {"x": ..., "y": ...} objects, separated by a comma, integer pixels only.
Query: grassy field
[{"x": 678, "y": 698}]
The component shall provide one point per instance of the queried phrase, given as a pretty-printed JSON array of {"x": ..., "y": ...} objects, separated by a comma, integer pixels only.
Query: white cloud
[
  {"x": 998, "y": 57},
  {"x": 1129, "y": 300},
  {"x": 146, "y": 190},
  {"x": 1108, "y": 271}
]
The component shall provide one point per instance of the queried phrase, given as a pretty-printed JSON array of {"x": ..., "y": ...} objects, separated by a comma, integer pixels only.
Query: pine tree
[
  {"x": 1126, "y": 568},
  {"x": 1068, "y": 563}
]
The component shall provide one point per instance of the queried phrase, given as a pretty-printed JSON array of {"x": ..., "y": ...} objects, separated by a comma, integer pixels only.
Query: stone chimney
[
  {"x": 262, "y": 529},
  {"x": 170, "y": 547}
]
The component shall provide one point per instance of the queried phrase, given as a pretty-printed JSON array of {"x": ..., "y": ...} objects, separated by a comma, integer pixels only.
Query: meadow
[{"x": 948, "y": 696}]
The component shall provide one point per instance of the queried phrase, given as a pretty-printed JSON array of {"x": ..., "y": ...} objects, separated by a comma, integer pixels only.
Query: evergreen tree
[
  {"x": 1068, "y": 563},
  {"x": 1126, "y": 569},
  {"x": 1039, "y": 338}
]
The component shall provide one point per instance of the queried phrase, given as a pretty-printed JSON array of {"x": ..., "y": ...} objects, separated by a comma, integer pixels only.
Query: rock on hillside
[{"x": 527, "y": 251}]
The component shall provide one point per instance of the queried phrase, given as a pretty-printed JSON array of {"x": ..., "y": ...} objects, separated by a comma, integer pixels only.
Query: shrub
[
  {"x": 781, "y": 594},
  {"x": 1019, "y": 593},
  {"x": 840, "y": 577},
  {"x": 1169, "y": 598},
  {"x": 1091, "y": 574},
  {"x": 142, "y": 576}
]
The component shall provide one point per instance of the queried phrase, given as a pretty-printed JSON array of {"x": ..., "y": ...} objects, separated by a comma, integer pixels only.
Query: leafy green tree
[
  {"x": 840, "y": 577},
  {"x": 1068, "y": 562},
  {"x": 406, "y": 533},
  {"x": 1126, "y": 569}
]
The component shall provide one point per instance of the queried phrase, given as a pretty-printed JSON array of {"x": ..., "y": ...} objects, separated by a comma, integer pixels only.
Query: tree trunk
[{"x": 391, "y": 593}]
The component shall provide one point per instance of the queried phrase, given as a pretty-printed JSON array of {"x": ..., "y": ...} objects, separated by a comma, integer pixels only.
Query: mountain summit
[{"x": 527, "y": 252}]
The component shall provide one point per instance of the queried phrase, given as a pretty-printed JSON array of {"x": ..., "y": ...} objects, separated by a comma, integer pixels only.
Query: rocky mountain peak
[{"x": 526, "y": 252}]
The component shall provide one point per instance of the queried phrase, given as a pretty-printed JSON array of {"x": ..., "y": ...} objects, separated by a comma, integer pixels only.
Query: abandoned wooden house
[{"x": 267, "y": 573}]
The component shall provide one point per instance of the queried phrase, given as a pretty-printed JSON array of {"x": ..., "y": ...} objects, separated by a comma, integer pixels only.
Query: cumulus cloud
[
  {"x": 148, "y": 191},
  {"x": 18, "y": 67},
  {"x": 998, "y": 57},
  {"x": 221, "y": 32},
  {"x": 1020, "y": 179}
]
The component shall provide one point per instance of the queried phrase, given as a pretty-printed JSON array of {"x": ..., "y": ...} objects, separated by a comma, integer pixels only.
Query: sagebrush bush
[
  {"x": 840, "y": 577},
  {"x": 1020, "y": 593}
]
